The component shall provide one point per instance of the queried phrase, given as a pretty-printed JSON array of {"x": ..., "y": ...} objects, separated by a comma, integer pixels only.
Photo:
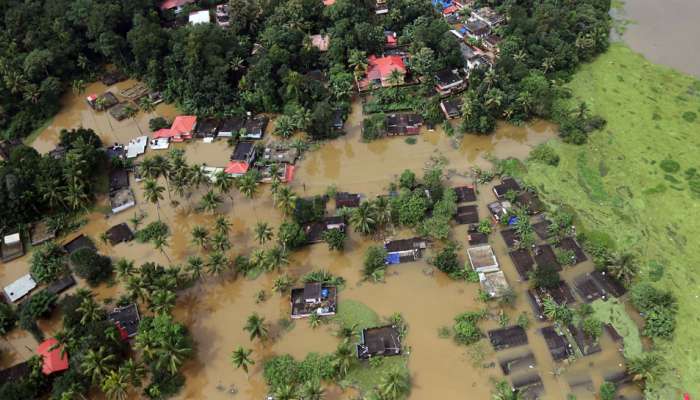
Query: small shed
[
  {"x": 506, "y": 185},
  {"x": 467, "y": 214},
  {"x": 19, "y": 288},
  {"x": 517, "y": 363},
  {"x": 558, "y": 346},
  {"x": 313, "y": 298},
  {"x": 41, "y": 232},
  {"x": 119, "y": 233},
  {"x": 126, "y": 319},
  {"x": 483, "y": 259},
  {"x": 570, "y": 244},
  {"x": 379, "y": 341},
  {"x": 54, "y": 358},
  {"x": 77, "y": 243},
  {"x": 61, "y": 285},
  {"x": 136, "y": 146},
  {"x": 345, "y": 199},
  {"x": 523, "y": 262},
  {"x": 404, "y": 250},
  {"x": 494, "y": 284},
  {"x": 505, "y": 338},
  {"x": 545, "y": 257},
  {"x": 510, "y": 237},
  {"x": 542, "y": 229},
  {"x": 465, "y": 194},
  {"x": 12, "y": 247}
]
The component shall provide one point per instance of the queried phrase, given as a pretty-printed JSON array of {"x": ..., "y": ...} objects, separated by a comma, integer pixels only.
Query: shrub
[
  {"x": 446, "y": 260},
  {"x": 309, "y": 210},
  {"x": 607, "y": 391},
  {"x": 324, "y": 277},
  {"x": 670, "y": 166},
  {"x": 8, "y": 318},
  {"x": 39, "y": 305},
  {"x": 48, "y": 263},
  {"x": 153, "y": 230},
  {"x": 375, "y": 263},
  {"x": 290, "y": 235},
  {"x": 658, "y": 308},
  {"x": 544, "y": 277},
  {"x": 157, "y": 123},
  {"x": 545, "y": 154},
  {"x": 92, "y": 267},
  {"x": 466, "y": 329},
  {"x": 592, "y": 327},
  {"x": 335, "y": 238},
  {"x": 407, "y": 180}
]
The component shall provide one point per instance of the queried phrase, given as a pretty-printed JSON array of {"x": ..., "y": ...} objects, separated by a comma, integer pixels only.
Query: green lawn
[{"x": 637, "y": 181}]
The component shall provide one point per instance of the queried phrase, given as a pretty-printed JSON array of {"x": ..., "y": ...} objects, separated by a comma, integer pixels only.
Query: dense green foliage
[
  {"x": 91, "y": 266},
  {"x": 280, "y": 371},
  {"x": 48, "y": 263},
  {"x": 658, "y": 307},
  {"x": 8, "y": 318},
  {"x": 465, "y": 327},
  {"x": 375, "y": 263},
  {"x": 34, "y": 186}
]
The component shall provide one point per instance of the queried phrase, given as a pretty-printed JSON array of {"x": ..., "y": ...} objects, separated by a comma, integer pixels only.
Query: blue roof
[
  {"x": 442, "y": 3},
  {"x": 392, "y": 258}
]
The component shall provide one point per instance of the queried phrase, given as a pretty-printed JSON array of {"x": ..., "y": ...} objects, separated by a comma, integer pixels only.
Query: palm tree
[
  {"x": 197, "y": 176},
  {"x": 135, "y": 288},
  {"x": 220, "y": 241},
  {"x": 195, "y": 266},
  {"x": 622, "y": 267},
  {"x": 134, "y": 371},
  {"x": 394, "y": 385},
  {"x": 504, "y": 391},
  {"x": 395, "y": 79},
  {"x": 209, "y": 202},
  {"x": 312, "y": 390},
  {"x": 285, "y": 392},
  {"x": 240, "y": 358},
  {"x": 274, "y": 258},
  {"x": 172, "y": 355},
  {"x": 263, "y": 232},
  {"x": 248, "y": 184},
  {"x": 347, "y": 333},
  {"x": 160, "y": 242},
  {"x": 256, "y": 327},
  {"x": 200, "y": 236},
  {"x": 257, "y": 258},
  {"x": 342, "y": 358},
  {"x": 382, "y": 211},
  {"x": 358, "y": 62},
  {"x": 217, "y": 263},
  {"x": 96, "y": 364},
  {"x": 556, "y": 312},
  {"x": 224, "y": 183},
  {"x": 293, "y": 82},
  {"x": 125, "y": 268},
  {"x": 287, "y": 200},
  {"x": 115, "y": 385},
  {"x": 162, "y": 301},
  {"x": 547, "y": 64},
  {"x": 646, "y": 368},
  {"x": 90, "y": 311},
  {"x": 153, "y": 193},
  {"x": 222, "y": 225},
  {"x": 363, "y": 218}
]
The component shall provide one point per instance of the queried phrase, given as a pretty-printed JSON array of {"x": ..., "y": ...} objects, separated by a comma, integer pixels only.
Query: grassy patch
[
  {"x": 365, "y": 375},
  {"x": 352, "y": 313},
  {"x": 613, "y": 312},
  {"x": 646, "y": 137}
]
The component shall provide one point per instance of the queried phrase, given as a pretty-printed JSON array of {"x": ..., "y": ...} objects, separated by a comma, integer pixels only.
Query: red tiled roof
[
  {"x": 450, "y": 10},
  {"x": 236, "y": 168},
  {"x": 328, "y": 2},
  {"x": 183, "y": 124},
  {"x": 391, "y": 38},
  {"x": 53, "y": 360},
  {"x": 170, "y": 4},
  {"x": 289, "y": 173},
  {"x": 381, "y": 67},
  {"x": 162, "y": 133}
]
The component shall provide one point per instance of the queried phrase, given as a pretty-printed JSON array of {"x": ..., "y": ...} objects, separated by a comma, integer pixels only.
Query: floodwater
[
  {"x": 666, "y": 32},
  {"x": 215, "y": 309}
]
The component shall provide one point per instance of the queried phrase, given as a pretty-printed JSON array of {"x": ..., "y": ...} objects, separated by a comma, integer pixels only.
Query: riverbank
[{"x": 617, "y": 185}]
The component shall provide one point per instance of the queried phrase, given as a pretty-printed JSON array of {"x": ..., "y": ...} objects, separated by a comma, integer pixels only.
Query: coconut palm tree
[
  {"x": 125, "y": 268},
  {"x": 343, "y": 358},
  {"x": 224, "y": 183},
  {"x": 394, "y": 385},
  {"x": 312, "y": 390},
  {"x": 200, "y": 236},
  {"x": 220, "y": 241},
  {"x": 645, "y": 368},
  {"x": 286, "y": 200},
  {"x": 364, "y": 218},
  {"x": 622, "y": 266},
  {"x": 357, "y": 60},
  {"x": 90, "y": 311},
  {"x": 197, "y": 176},
  {"x": 136, "y": 289},
  {"x": 134, "y": 371},
  {"x": 275, "y": 258},
  {"x": 285, "y": 392},
  {"x": 96, "y": 364},
  {"x": 256, "y": 327},
  {"x": 153, "y": 193},
  {"x": 217, "y": 263},
  {"x": 248, "y": 184},
  {"x": 171, "y": 355},
  {"x": 162, "y": 301},
  {"x": 263, "y": 232},
  {"x": 257, "y": 258},
  {"x": 115, "y": 385},
  {"x": 160, "y": 243},
  {"x": 195, "y": 266},
  {"x": 382, "y": 211},
  {"x": 240, "y": 358},
  {"x": 347, "y": 333},
  {"x": 222, "y": 225},
  {"x": 209, "y": 202},
  {"x": 556, "y": 312}
]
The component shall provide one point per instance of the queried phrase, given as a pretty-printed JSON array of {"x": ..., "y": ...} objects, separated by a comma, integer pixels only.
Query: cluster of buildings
[
  {"x": 125, "y": 104},
  {"x": 220, "y": 14}
]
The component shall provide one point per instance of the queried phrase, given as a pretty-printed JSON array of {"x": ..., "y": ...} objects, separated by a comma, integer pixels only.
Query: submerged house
[
  {"x": 448, "y": 82},
  {"x": 489, "y": 16},
  {"x": 120, "y": 233},
  {"x": 314, "y": 298},
  {"x": 254, "y": 128},
  {"x": 379, "y": 341},
  {"x": 404, "y": 250},
  {"x": 452, "y": 108},
  {"x": 242, "y": 159},
  {"x": 127, "y": 320},
  {"x": 182, "y": 129},
  {"x": 314, "y": 230},
  {"x": 12, "y": 247},
  {"x": 506, "y": 185},
  {"x": 347, "y": 200},
  {"x": 102, "y": 102},
  {"x": 230, "y": 127},
  {"x": 19, "y": 288},
  {"x": 379, "y": 72},
  {"x": 483, "y": 259},
  {"x": 494, "y": 284},
  {"x": 41, "y": 232},
  {"x": 403, "y": 124},
  {"x": 207, "y": 128},
  {"x": 54, "y": 357}
]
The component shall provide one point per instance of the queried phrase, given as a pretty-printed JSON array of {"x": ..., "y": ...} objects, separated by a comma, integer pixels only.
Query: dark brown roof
[
  {"x": 119, "y": 233},
  {"x": 504, "y": 338},
  {"x": 404, "y": 244},
  {"x": 608, "y": 283},
  {"x": 312, "y": 290},
  {"x": 558, "y": 345},
  {"x": 379, "y": 341},
  {"x": 476, "y": 238},
  {"x": 345, "y": 199},
  {"x": 79, "y": 242},
  {"x": 561, "y": 294},
  {"x": 542, "y": 229},
  {"x": 569, "y": 243},
  {"x": 61, "y": 285},
  {"x": 506, "y": 185},
  {"x": 118, "y": 179},
  {"x": 465, "y": 194},
  {"x": 587, "y": 288},
  {"x": 467, "y": 214},
  {"x": 523, "y": 262},
  {"x": 544, "y": 256},
  {"x": 510, "y": 237}
]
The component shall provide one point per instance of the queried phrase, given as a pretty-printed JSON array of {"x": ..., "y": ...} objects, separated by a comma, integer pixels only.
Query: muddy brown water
[
  {"x": 666, "y": 32},
  {"x": 215, "y": 309}
]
